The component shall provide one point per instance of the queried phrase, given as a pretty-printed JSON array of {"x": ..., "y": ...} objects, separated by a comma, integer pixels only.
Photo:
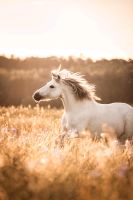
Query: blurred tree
[{"x": 20, "y": 78}]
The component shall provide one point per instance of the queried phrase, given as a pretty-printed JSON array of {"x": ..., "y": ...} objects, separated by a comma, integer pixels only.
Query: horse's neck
[{"x": 71, "y": 104}]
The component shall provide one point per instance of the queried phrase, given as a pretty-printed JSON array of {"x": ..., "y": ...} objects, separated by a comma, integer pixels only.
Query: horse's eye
[{"x": 51, "y": 86}]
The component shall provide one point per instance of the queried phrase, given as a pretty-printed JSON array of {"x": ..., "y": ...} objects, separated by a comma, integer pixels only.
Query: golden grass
[{"x": 33, "y": 166}]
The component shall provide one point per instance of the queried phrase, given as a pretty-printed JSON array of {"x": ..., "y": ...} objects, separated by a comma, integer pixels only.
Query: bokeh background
[{"x": 20, "y": 78}]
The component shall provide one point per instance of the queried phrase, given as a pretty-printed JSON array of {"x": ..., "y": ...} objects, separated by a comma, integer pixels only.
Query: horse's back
[{"x": 120, "y": 108}]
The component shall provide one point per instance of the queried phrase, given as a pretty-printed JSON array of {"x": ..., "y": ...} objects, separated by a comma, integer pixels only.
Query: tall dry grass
[{"x": 33, "y": 166}]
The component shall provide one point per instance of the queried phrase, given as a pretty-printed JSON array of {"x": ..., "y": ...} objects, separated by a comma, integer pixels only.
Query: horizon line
[{"x": 14, "y": 56}]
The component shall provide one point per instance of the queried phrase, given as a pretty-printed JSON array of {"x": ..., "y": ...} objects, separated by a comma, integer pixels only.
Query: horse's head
[
  {"x": 51, "y": 90},
  {"x": 64, "y": 82}
]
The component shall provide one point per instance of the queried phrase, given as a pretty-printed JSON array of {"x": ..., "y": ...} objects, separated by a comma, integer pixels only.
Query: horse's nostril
[{"x": 37, "y": 96}]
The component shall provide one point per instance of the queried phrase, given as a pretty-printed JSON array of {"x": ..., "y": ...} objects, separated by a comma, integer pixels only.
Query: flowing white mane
[{"x": 78, "y": 84}]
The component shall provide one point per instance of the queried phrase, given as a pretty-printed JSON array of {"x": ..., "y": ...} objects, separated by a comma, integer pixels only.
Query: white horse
[{"x": 81, "y": 111}]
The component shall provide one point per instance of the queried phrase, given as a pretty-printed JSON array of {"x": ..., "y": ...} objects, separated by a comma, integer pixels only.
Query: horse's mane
[{"x": 78, "y": 84}]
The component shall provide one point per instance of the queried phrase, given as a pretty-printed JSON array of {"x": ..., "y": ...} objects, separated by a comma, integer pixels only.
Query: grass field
[{"x": 34, "y": 166}]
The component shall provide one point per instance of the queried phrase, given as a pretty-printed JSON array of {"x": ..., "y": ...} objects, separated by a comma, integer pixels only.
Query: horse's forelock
[
  {"x": 63, "y": 74},
  {"x": 55, "y": 75}
]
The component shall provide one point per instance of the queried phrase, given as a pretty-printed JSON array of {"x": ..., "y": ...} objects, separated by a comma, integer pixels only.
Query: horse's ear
[
  {"x": 58, "y": 77},
  {"x": 59, "y": 68},
  {"x": 55, "y": 76}
]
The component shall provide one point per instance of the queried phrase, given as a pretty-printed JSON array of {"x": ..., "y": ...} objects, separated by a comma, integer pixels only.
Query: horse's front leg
[
  {"x": 67, "y": 130},
  {"x": 63, "y": 134},
  {"x": 72, "y": 133},
  {"x": 68, "y": 134},
  {"x": 64, "y": 128}
]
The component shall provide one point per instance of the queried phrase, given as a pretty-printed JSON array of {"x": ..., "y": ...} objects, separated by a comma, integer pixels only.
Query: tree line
[{"x": 19, "y": 78}]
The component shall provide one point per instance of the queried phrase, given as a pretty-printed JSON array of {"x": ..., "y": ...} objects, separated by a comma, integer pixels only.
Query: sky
[{"x": 87, "y": 28}]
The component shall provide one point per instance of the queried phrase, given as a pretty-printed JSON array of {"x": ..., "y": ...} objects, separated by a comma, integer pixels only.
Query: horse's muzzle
[{"x": 37, "y": 96}]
